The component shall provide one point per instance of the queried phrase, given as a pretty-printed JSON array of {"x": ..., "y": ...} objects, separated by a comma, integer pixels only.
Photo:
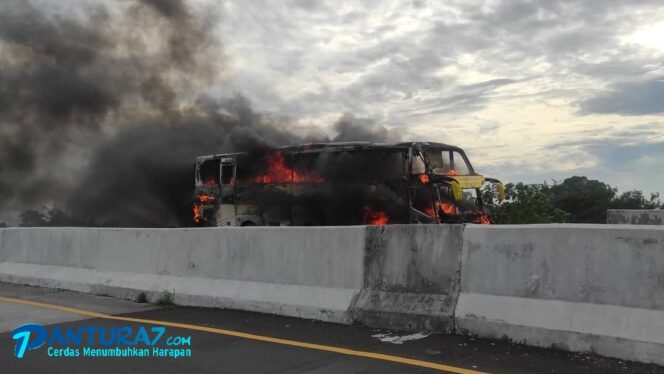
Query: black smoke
[
  {"x": 350, "y": 128},
  {"x": 144, "y": 175},
  {"x": 103, "y": 110}
]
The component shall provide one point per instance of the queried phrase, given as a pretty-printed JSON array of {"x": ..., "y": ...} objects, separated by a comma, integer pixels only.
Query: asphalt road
[{"x": 226, "y": 341}]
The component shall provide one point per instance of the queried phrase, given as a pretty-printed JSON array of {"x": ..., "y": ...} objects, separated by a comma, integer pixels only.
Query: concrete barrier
[
  {"x": 407, "y": 274},
  {"x": 593, "y": 288},
  {"x": 411, "y": 275},
  {"x": 304, "y": 272},
  {"x": 635, "y": 216}
]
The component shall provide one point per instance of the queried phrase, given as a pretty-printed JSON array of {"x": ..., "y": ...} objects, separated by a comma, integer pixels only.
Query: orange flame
[
  {"x": 375, "y": 217},
  {"x": 482, "y": 219},
  {"x": 198, "y": 217},
  {"x": 278, "y": 172},
  {"x": 204, "y": 198},
  {"x": 424, "y": 178},
  {"x": 447, "y": 207}
]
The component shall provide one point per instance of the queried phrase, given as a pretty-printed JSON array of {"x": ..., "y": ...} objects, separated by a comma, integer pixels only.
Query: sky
[{"x": 533, "y": 90}]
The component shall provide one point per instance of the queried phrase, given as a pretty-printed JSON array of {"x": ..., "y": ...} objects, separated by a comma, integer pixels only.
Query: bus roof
[{"x": 337, "y": 146}]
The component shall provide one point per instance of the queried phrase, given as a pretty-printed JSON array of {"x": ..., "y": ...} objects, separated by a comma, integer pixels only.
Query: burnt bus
[{"x": 339, "y": 184}]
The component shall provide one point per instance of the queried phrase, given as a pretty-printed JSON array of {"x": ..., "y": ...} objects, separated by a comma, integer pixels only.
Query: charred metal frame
[{"x": 411, "y": 150}]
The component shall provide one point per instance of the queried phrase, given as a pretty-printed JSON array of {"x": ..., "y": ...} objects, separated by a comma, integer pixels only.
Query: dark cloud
[
  {"x": 173, "y": 9},
  {"x": 631, "y": 98},
  {"x": 468, "y": 98},
  {"x": 350, "y": 128},
  {"x": 619, "y": 157},
  {"x": 616, "y": 69},
  {"x": 490, "y": 84}
]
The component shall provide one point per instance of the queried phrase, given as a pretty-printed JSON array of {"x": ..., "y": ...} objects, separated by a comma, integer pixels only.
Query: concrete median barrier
[
  {"x": 303, "y": 272},
  {"x": 635, "y": 216},
  {"x": 591, "y": 288},
  {"x": 411, "y": 275}
]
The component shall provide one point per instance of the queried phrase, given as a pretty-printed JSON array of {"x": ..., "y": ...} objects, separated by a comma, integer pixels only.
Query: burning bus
[{"x": 339, "y": 184}]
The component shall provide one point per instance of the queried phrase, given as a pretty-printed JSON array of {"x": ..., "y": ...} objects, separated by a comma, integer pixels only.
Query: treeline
[{"x": 576, "y": 199}]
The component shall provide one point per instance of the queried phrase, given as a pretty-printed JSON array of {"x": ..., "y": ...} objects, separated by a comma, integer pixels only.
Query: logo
[
  {"x": 22, "y": 335},
  {"x": 95, "y": 341}
]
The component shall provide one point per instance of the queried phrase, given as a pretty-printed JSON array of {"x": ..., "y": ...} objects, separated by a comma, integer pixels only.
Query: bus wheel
[{"x": 248, "y": 223}]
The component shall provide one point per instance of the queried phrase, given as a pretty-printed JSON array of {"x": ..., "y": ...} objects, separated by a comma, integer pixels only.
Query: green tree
[
  {"x": 586, "y": 200},
  {"x": 524, "y": 203},
  {"x": 635, "y": 200},
  {"x": 577, "y": 199}
]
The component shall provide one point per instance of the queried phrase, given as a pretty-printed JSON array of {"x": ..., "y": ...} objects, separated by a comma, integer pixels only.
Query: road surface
[{"x": 227, "y": 341}]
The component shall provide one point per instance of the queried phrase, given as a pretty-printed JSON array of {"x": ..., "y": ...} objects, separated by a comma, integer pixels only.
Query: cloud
[
  {"x": 464, "y": 98},
  {"x": 627, "y": 167},
  {"x": 630, "y": 166},
  {"x": 631, "y": 98},
  {"x": 367, "y": 58},
  {"x": 506, "y": 79},
  {"x": 491, "y": 74},
  {"x": 622, "y": 157}
]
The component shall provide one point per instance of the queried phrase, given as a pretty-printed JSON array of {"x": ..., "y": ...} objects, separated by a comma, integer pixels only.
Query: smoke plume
[{"x": 103, "y": 110}]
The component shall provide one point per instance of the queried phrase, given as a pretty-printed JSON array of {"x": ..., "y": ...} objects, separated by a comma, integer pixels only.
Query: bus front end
[{"x": 454, "y": 188}]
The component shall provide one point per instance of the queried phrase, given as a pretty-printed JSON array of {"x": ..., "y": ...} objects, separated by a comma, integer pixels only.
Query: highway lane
[{"x": 226, "y": 341}]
